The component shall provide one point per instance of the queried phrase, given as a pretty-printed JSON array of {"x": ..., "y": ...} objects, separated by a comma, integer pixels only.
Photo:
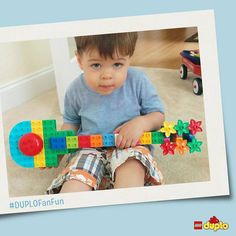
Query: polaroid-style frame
[{"x": 218, "y": 184}]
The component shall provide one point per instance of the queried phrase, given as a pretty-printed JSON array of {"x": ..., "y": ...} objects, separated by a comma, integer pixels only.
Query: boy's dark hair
[{"x": 108, "y": 44}]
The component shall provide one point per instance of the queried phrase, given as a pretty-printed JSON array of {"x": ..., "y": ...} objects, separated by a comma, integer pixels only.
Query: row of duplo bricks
[{"x": 99, "y": 140}]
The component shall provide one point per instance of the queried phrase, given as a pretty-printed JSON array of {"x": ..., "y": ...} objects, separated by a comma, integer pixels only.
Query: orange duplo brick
[{"x": 96, "y": 140}]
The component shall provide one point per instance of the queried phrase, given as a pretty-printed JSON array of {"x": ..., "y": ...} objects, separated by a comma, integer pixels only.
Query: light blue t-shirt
[{"x": 100, "y": 114}]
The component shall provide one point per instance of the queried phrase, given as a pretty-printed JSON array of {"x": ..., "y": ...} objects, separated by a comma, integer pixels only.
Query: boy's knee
[
  {"x": 130, "y": 174},
  {"x": 134, "y": 164},
  {"x": 74, "y": 186}
]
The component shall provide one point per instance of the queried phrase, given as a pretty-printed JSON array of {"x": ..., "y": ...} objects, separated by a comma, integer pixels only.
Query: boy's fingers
[
  {"x": 128, "y": 143},
  {"x": 118, "y": 140},
  {"x": 117, "y": 130},
  {"x": 134, "y": 143},
  {"x": 123, "y": 143}
]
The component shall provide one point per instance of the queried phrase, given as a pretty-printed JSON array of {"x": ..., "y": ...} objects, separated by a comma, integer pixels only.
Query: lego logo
[{"x": 197, "y": 225}]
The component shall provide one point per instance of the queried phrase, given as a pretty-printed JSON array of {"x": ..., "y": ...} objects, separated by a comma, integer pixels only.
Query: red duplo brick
[{"x": 84, "y": 141}]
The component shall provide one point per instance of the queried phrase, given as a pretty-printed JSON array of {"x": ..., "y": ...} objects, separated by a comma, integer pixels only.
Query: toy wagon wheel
[
  {"x": 197, "y": 86},
  {"x": 183, "y": 72}
]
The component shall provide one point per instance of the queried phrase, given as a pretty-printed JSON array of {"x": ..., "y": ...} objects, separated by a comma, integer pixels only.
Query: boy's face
[{"x": 103, "y": 75}]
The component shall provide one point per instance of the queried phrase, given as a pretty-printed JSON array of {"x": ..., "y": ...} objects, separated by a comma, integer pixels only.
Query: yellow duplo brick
[
  {"x": 37, "y": 128},
  {"x": 39, "y": 159},
  {"x": 39, "y": 164},
  {"x": 146, "y": 138}
]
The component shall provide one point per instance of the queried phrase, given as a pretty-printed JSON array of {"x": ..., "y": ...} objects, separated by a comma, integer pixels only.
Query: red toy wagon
[{"x": 191, "y": 62}]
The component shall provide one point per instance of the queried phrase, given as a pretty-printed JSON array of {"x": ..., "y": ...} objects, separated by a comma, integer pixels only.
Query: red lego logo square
[{"x": 197, "y": 225}]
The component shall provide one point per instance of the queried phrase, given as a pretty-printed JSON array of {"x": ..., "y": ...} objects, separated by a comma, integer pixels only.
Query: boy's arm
[
  {"x": 66, "y": 126},
  {"x": 131, "y": 131},
  {"x": 153, "y": 121}
]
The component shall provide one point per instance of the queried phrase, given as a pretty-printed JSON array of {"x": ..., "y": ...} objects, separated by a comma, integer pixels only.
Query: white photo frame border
[{"x": 218, "y": 184}]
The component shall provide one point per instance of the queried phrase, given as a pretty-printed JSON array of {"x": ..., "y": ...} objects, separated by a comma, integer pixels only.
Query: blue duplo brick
[
  {"x": 58, "y": 143},
  {"x": 108, "y": 140}
]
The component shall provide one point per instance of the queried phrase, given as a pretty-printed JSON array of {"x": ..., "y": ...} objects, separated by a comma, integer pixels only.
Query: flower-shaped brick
[
  {"x": 195, "y": 126},
  {"x": 168, "y": 147},
  {"x": 168, "y": 128},
  {"x": 195, "y": 145},
  {"x": 182, "y": 127},
  {"x": 181, "y": 145}
]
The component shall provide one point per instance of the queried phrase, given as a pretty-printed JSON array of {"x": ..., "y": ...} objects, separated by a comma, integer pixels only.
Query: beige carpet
[{"x": 180, "y": 103}]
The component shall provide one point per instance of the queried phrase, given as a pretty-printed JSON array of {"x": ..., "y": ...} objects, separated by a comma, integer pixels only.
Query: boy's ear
[{"x": 78, "y": 58}]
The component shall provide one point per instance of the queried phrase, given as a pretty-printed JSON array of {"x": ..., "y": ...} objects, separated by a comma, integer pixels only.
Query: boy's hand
[{"x": 130, "y": 133}]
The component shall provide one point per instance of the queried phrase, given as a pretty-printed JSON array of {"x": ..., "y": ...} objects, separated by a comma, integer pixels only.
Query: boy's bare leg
[
  {"x": 74, "y": 186},
  {"x": 130, "y": 174}
]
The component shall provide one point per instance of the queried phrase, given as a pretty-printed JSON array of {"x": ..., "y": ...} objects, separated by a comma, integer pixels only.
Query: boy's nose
[{"x": 106, "y": 76}]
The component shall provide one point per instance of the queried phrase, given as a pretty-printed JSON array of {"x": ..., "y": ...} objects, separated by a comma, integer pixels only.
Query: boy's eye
[
  {"x": 96, "y": 66},
  {"x": 118, "y": 65}
]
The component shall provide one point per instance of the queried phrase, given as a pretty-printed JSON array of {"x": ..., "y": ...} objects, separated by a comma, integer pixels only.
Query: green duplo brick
[
  {"x": 60, "y": 134},
  {"x": 47, "y": 147},
  {"x": 47, "y": 137},
  {"x": 65, "y": 133},
  {"x": 52, "y": 160},
  {"x": 73, "y": 150},
  {"x": 49, "y": 123},
  {"x": 49, "y": 126},
  {"x": 157, "y": 137},
  {"x": 62, "y": 151},
  {"x": 49, "y": 151},
  {"x": 49, "y": 131},
  {"x": 70, "y": 133}
]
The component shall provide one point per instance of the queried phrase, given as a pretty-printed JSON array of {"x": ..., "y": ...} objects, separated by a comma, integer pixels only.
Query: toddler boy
[{"x": 110, "y": 97}]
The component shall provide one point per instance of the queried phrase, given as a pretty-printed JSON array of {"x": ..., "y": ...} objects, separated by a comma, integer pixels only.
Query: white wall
[{"x": 20, "y": 59}]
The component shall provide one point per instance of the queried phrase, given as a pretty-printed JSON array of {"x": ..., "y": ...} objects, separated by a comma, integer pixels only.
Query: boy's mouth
[{"x": 107, "y": 86}]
